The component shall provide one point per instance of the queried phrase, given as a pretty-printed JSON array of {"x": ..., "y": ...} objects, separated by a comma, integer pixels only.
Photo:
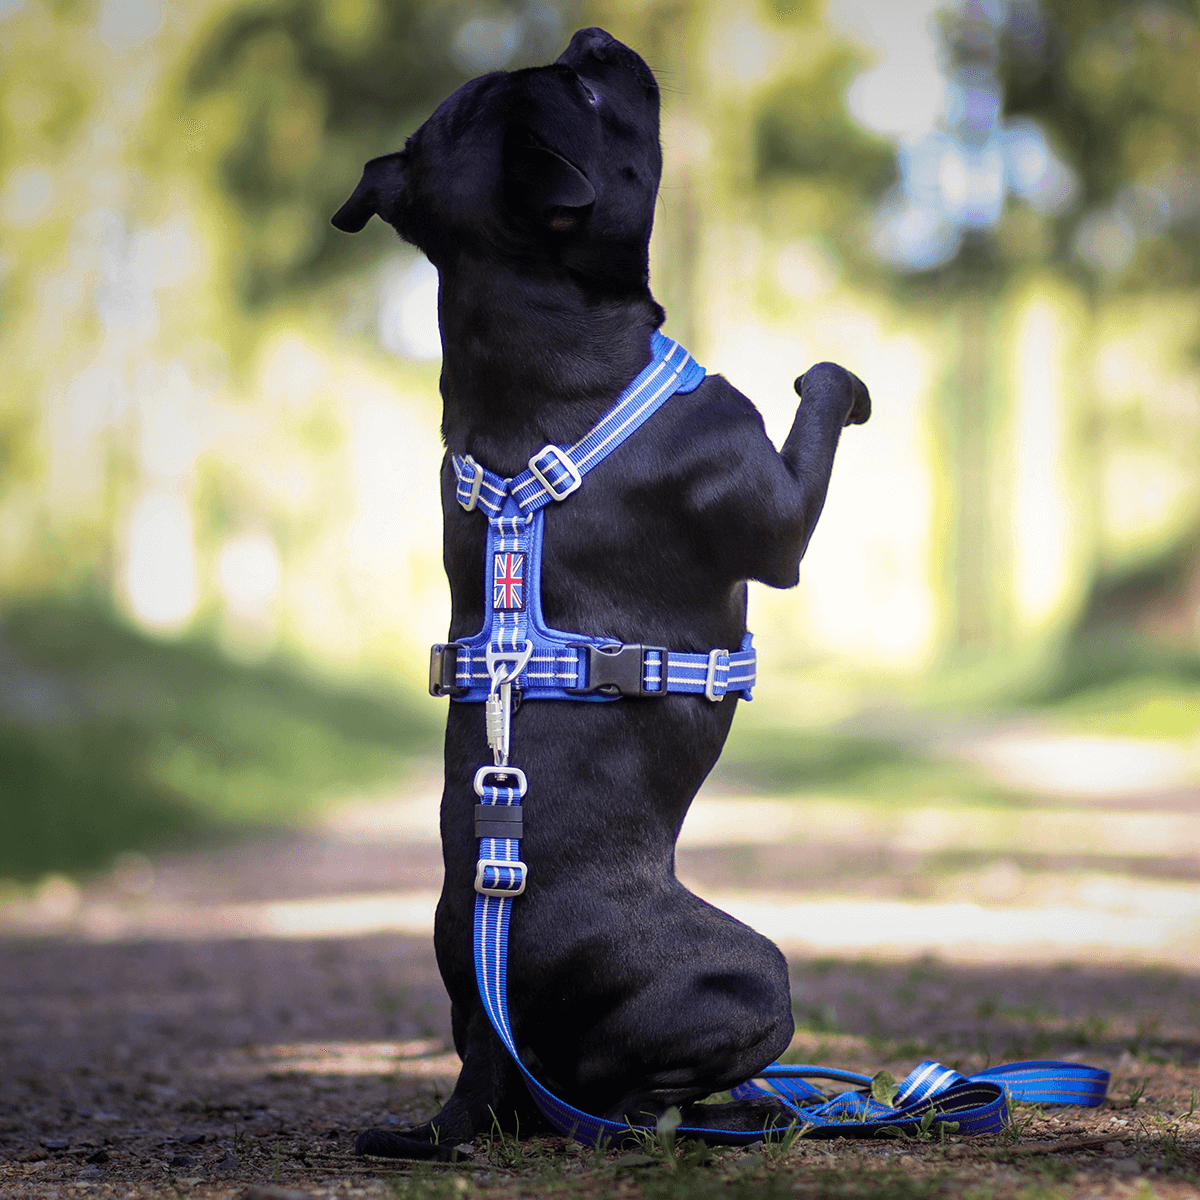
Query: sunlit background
[{"x": 219, "y": 524}]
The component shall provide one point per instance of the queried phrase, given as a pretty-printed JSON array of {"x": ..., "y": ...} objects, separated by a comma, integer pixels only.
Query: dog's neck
[{"x": 528, "y": 361}]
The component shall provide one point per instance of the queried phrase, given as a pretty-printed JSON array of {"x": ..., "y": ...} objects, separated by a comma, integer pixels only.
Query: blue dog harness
[
  {"x": 515, "y": 648},
  {"x": 550, "y": 664}
]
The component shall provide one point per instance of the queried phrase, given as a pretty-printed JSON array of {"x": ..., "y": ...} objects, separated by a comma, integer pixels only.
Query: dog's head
[{"x": 557, "y": 164}]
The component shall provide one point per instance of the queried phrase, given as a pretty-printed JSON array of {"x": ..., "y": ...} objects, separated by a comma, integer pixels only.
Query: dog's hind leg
[{"x": 739, "y": 1019}]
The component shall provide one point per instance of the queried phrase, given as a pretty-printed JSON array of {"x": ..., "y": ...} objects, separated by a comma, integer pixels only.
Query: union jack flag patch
[{"x": 508, "y": 582}]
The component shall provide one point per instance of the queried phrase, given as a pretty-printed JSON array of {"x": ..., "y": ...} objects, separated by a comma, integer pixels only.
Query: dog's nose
[{"x": 588, "y": 43}]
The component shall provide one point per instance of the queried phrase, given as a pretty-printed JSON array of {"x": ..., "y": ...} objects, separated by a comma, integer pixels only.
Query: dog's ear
[
  {"x": 543, "y": 184},
  {"x": 378, "y": 191}
]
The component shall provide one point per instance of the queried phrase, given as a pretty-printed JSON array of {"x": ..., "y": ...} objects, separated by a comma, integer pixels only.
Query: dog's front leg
[
  {"x": 830, "y": 399},
  {"x": 490, "y": 1092}
]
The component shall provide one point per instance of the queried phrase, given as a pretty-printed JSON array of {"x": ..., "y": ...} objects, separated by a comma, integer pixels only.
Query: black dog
[{"x": 533, "y": 194}]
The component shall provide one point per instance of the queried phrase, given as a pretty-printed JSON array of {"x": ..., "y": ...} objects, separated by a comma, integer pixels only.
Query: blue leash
[
  {"x": 516, "y": 648},
  {"x": 969, "y": 1104}
]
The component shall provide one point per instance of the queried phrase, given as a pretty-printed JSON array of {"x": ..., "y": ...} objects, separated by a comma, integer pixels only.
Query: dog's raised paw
[
  {"x": 829, "y": 384},
  {"x": 387, "y": 1143}
]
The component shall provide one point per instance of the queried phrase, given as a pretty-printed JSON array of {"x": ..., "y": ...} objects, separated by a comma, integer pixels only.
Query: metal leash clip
[{"x": 498, "y": 706}]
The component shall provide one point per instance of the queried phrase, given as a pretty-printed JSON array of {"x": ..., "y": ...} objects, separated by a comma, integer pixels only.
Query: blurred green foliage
[
  {"x": 299, "y": 94},
  {"x": 765, "y": 756},
  {"x": 1149, "y": 700},
  {"x": 1116, "y": 86},
  {"x": 803, "y": 136},
  {"x": 111, "y": 740}
]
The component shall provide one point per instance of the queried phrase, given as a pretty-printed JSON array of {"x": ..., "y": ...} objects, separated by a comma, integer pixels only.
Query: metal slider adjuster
[
  {"x": 710, "y": 680},
  {"x": 443, "y": 670},
  {"x": 518, "y": 868},
  {"x": 620, "y": 670},
  {"x": 476, "y": 485},
  {"x": 564, "y": 460}
]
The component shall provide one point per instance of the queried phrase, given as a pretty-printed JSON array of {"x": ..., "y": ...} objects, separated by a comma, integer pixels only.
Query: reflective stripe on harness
[{"x": 608, "y": 669}]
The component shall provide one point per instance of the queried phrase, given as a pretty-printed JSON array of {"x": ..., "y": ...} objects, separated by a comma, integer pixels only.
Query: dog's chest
[{"x": 598, "y": 552}]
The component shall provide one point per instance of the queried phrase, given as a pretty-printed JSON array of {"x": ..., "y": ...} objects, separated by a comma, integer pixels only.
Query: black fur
[{"x": 533, "y": 194}]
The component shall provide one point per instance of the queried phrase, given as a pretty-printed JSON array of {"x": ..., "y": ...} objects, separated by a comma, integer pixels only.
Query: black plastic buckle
[
  {"x": 620, "y": 670},
  {"x": 443, "y": 671}
]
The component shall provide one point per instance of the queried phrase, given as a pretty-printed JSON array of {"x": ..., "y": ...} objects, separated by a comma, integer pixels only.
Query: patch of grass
[
  {"x": 111, "y": 740},
  {"x": 1151, "y": 706},
  {"x": 1119, "y": 683},
  {"x": 815, "y": 1019}
]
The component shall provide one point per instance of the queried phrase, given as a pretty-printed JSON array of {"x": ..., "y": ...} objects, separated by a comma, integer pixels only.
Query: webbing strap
[
  {"x": 556, "y": 471},
  {"x": 554, "y": 671},
  {"x": 976, "y": 1103}
]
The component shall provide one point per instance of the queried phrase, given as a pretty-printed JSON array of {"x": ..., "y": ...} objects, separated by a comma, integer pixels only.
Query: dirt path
[{"x": 231, "y": 1017}]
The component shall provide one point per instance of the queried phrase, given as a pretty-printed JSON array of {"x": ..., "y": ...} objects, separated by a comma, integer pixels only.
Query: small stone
[
  {"x": 31, "y": 1156},
  {"x": 1114, "y": 1147},
  {"x": 56, "y": 1143},
  {"x": 89, "y": 1173},
  {"x": 180, "y": 1160},
  {"x": 101, "y": 1156},
  {"x": 1126, "y": 1166},
  {"x": 226, "y": 1164},
  {"x": 195, "y": 1139}
]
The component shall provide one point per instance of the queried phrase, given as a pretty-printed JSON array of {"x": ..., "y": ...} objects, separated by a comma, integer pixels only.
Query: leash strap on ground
[{"x": 932, "y": 1094}]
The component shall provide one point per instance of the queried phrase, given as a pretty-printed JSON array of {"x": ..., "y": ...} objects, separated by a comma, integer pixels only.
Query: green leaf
[{"x": 884, "y": 1088}]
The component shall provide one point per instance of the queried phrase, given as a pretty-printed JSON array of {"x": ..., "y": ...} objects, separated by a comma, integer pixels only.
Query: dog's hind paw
[{"x": 387, "y": 1143}]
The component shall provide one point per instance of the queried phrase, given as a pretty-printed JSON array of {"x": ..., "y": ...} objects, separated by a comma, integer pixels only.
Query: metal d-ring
[{"x": 495, "y": 657}]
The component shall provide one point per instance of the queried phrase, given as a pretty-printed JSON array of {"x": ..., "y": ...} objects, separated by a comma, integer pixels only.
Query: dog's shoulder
[{"x": 715, "y": 424}]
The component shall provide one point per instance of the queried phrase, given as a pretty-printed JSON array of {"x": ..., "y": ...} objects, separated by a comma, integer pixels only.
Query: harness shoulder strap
[{"x": 554, "y": 472}]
